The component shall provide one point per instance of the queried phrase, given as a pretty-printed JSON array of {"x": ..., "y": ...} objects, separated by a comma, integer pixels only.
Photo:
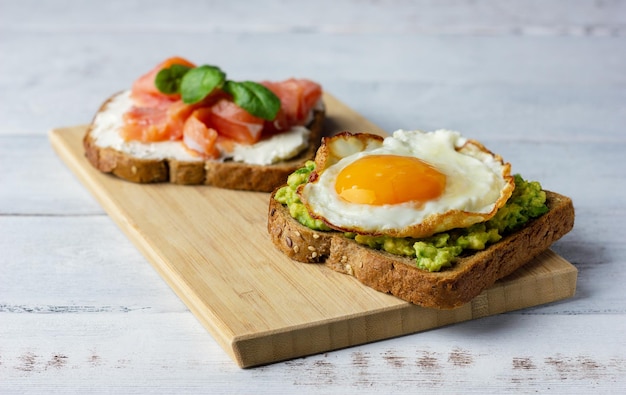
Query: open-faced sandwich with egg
[
  {"x": 432, "y": 218},
  {"x": 189, "y": 124}
]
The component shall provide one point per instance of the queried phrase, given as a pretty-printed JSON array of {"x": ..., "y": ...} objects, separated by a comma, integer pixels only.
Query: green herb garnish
[
  {"x": 195, "y": 84},
  {"x": 199, "y": 82},
  {"x": 168, "y": 80},
  {"x": 254, "y": 98}
]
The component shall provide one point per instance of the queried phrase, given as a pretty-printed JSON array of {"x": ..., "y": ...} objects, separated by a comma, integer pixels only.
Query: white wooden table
[{"x": 541, "y": 83}]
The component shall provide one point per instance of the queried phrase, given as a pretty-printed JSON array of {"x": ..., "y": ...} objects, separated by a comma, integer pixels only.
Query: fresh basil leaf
[
  {"x": 254, "y": 98},
  {"x": 199, "y": 82},
  {"x": 168, "y": 80}
]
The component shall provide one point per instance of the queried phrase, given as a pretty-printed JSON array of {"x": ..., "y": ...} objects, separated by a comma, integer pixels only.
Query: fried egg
[{"x": 409, "y": 184}]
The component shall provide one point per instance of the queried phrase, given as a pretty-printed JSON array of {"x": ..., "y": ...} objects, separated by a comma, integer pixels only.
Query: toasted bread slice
[
  {"x": 223, "y": 174},
  {"x": 399, "y": 276}
]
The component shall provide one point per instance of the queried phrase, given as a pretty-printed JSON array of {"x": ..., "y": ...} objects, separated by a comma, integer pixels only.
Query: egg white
[{"x": 474, "y": 183}]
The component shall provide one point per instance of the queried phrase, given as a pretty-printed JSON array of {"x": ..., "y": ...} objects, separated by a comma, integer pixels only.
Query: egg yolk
[{"x": 389, "y": 179}]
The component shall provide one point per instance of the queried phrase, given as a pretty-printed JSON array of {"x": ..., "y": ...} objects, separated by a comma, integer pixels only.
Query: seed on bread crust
[{"x": 309, "y": 246}]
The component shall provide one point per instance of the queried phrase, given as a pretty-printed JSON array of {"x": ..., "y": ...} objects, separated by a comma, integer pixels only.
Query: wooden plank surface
[{"x": 211, "y": 247}]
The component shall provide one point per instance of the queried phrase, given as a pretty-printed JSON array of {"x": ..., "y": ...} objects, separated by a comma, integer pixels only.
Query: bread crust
[
  {"x": 399, "y": 276},
  {"x": 222, "y": 174}
]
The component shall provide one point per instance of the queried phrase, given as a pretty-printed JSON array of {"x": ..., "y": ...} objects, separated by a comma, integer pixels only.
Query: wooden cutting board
[{"x": 211, "y": 246}]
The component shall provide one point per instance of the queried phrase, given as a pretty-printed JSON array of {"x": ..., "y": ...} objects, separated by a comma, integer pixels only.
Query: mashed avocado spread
[{"x": 440, "y": 250}]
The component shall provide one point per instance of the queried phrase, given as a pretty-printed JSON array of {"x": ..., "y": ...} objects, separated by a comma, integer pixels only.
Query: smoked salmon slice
[
  {"x": 160, "y": 122},
  {"x": 198, "y": 137},
  {"x": 297, "y": 98},
  {"x": 235, "y": 125},
  {"x": 234, "y": 122}
]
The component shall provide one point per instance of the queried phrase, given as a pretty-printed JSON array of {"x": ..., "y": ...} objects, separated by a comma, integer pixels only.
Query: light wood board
[{"x": 211, "y": 246}]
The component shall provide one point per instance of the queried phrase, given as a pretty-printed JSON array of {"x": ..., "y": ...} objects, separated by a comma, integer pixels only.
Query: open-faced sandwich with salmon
[
  {"x": 432, "y": 218},
  {"x": 189, "y": 124}
]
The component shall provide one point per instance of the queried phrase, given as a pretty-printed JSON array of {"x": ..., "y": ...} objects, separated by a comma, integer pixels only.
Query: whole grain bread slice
[
  {"x": 399, "y": 276},
  {"x": 222, "y": 174}
]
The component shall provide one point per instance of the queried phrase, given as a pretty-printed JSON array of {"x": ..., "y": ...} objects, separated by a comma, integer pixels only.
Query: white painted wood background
[{"x": 543, "y": 83}]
